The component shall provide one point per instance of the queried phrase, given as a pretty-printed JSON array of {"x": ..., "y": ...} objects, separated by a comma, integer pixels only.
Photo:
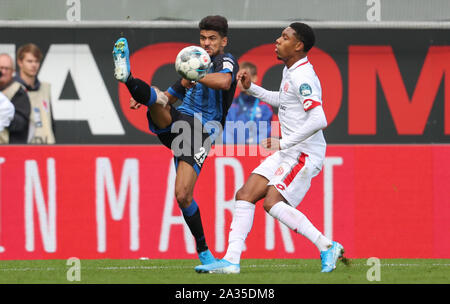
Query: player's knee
[
  {"x": 183, "y": 197},
  {"x": 268, "y": 204},
  {"x": 243, "y": 195}
]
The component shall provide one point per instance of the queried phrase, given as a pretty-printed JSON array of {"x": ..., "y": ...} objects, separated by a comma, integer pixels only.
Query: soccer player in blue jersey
[{"x": 204, "y": 106}]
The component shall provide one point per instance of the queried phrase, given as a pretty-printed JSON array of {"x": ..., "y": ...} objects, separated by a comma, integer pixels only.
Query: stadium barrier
[{"x": 117, "y": 201}]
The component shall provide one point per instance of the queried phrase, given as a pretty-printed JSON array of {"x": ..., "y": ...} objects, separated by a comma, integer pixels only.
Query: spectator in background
[
  {"x": 6, "y": 116},
  {"x": 254, "y": 114},
  {"x": 41, "y": 129},
  {"x": 18, "y": 129}
]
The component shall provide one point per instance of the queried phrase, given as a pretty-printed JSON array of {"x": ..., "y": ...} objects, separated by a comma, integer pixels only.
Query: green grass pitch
[{"x": 253, "y": 271}]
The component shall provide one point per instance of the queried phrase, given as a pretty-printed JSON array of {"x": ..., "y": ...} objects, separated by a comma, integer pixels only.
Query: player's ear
[
  {"x": 224, "y": 41},
  {"x": 300, "y": 46},
  {"x": 19, "y": 62}
]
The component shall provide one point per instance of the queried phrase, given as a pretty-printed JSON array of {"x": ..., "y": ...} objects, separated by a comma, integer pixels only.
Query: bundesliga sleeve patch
[
  {"x": 228, "y": 59},
  {"x": 305, "y": 89},
  {"x": 228, "y": 65}
]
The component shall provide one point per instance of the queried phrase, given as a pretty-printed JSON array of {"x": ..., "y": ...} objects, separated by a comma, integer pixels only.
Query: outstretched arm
[
  {"x": 217, "y": 81},
  {"x": 269, "y": 97}
]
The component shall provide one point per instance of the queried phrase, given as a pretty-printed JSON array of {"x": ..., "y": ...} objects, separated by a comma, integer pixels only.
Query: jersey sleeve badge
[
  {"x": 308, "y": 103},
  {"x": 305, "y": 89},
  {"x": 228, "y": 65}
]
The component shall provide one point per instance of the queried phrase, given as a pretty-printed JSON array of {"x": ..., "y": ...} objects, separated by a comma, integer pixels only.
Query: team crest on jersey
[
  {"x": 305, "y": 89},
  {"x": 279, "y": 171}
]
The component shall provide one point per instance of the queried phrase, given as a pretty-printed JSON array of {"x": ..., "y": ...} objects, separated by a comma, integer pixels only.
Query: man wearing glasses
[{"x": 18, "y": 129}]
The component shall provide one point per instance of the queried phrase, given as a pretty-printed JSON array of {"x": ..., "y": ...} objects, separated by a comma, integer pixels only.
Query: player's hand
[
  {"x": 244, "y": 77},
  {"x": 134, "y": 105},
  {"x": 271, "y": 143},
  {"x": 187, "y": 83}
]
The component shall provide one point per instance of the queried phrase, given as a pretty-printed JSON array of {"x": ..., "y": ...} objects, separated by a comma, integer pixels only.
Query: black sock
[
  {"x": 139, "y": 90},
  {"x": 192, "y": 217}
]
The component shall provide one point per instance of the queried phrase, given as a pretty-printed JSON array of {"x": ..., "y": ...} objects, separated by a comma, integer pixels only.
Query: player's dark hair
[
  {"x": 215, "y": 23},
  {"x": 305, "y": 34}
]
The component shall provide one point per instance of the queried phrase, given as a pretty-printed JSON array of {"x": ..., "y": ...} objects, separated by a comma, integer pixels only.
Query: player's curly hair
[
  {"x": 305, "y": 34},
  {"x": 214, "y": 23}
]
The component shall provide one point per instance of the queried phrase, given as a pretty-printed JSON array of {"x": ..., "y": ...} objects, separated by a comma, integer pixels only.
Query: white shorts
[{"x": 290, "y": 174}]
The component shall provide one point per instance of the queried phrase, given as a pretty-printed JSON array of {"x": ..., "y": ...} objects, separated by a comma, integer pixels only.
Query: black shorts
[{"x": 185, "y": 137}]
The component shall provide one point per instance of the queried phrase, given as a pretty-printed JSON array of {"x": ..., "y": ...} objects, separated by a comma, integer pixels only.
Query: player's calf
[
  {"x": 140, "y": 91},
  {"x": 144, "y": 94}
]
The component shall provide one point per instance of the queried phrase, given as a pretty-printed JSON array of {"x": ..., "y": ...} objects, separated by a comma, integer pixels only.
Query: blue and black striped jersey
[{"x": 204, "y": 103}]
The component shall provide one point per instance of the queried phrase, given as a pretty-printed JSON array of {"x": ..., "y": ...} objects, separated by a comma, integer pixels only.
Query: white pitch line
[
  {"x": 190, "y": 267},
  {"x": 31, "y": 269}
]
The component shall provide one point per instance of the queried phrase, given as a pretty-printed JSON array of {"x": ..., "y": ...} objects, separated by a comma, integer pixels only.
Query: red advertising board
[{"x": 56, "y": 202}]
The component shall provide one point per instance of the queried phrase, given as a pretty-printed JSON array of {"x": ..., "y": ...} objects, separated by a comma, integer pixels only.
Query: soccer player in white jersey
[{"x": 284, "y": 177}]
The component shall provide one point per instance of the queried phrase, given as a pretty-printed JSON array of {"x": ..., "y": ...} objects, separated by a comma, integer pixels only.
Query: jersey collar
[{"x": 299, "y": 63}]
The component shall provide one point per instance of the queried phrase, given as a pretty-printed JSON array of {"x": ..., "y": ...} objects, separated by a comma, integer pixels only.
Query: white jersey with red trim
[{"x": 300, "y": 92}]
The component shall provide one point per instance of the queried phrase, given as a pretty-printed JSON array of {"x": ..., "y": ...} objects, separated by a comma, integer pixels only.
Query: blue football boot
[
  {"x": 330, "y": 257},
  {"x": 206, "y": 257},
  {"x": 121, "y": 56},
  {"x": 219, "y": 266}
]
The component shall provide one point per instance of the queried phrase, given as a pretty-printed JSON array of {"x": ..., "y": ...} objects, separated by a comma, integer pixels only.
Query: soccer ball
[{"x": 192, "y": 63}]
